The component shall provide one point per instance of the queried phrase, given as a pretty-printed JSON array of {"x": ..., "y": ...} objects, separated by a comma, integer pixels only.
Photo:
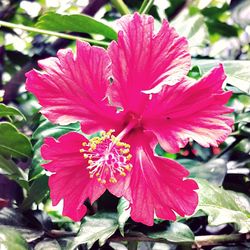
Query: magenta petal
[
  {"x": 70, "y": 180},
  {"x": 73, "y": 88},
  {"x": 143, "y": 60},
  {"x": 159, "y": 186},
  {"x": 190, "y": 110}
]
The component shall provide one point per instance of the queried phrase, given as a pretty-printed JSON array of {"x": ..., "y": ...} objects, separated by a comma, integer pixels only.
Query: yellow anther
[
  {"x": 84, "y": 143},
  {"x": 118, "y": 143},
  {"x": 90, "y": 161},
  {"x": 128, "y": 167},
  {"x": 98, "y": 174},
  {"x": 113, "y": 180},
  {"x": 125, "y": 151},
  {"x": 82, "y": 150},
  {"x": 85, "y": 156},
  {"x": 123, "y": 174},
  {"x": 128, "y": 157}
]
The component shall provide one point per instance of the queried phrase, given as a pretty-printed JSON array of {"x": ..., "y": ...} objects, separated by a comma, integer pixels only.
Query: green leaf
[
  {"x": 218, "y": 27},
  {"x": 123, "y": 214},
  {"x": 75, "y": 23},
  {"x": 238, "y": 74},
  {"x": 11, "y": 239},
  {"x": 214, "y": 12},
  {"x": 13, "y": 172},
  {"x": 195, "y": 73},
  {"x": 6, "y": 111},
  {"x": 13, "y": 143},
  {"x": 222, "y": 206},
  {"x": 97, "y": 227},
  {"x": 213, "y": 171},
  {"x": 38, "y": 191},
  {"x": 46, "y": 129},
  {"x": 176, "y": 232}
]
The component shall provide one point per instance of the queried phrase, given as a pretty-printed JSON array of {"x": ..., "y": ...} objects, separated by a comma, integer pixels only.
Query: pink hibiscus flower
[{"x": 138, "y": 95}]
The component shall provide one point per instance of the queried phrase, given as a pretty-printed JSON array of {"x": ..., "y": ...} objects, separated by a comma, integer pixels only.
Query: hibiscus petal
[
  {"x": 190, "y": 110},
  {"x": 70, "y": 180},
  {"x": 142, "y": 60},
  {"x": 74, "y": 89},
  {"x": 158, "y": 185}
]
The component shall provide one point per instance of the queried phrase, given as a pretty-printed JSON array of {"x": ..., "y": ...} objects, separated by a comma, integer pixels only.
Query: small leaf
[
  {"x": 13, "y": 143},
  {"x": 237, "y": 72},
  {"x": 38, "y": 190},
  {"x": 97, "y": 227},
  {"x": 11, "y": 239},
  {"x": 123, "y": 214},
  {"x": 222, "y": 206},
  {"x": 176, "y": 232},
  {"x": 75, "y": 23},
  {"x": 6, "y": 111}
]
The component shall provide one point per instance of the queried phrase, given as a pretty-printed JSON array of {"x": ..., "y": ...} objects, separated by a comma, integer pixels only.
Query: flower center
[{"x": 108, "y": 157}]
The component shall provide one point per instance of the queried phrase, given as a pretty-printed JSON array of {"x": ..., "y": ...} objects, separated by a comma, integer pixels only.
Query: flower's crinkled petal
[
  {"x": 158, "y": 185},
  {"x": 73, "y": 88},
  {"x": 143, "y": 60},
  {"x": 190, "y": 110},
  {"x": 70, "y": 180}
]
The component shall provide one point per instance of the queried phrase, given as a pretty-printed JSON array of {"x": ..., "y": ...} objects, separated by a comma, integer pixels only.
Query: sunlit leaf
[
  {"x": 123, "y": 214},
  {"x": 193, "y": 28},
  {"x": 176, "y": 232},
  {"x": 98, "y": 227},
  {"x": 238, "y": 73},
  {"x": 75, "y": 23},
  {"x": 222, "y": 206}
]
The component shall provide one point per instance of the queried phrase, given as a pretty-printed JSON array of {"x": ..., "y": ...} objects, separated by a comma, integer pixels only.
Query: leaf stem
[
  {"x": 146, "y": 6},
  {"x": 199, "y": 241},
  {"x": 52, "y": 33},
  {"x": 121, "y": 7},
  {"x": 238, "y": 139}
]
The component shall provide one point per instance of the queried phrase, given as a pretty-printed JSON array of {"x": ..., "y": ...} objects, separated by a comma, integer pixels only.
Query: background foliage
[{"x": 217, "y": 30}]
